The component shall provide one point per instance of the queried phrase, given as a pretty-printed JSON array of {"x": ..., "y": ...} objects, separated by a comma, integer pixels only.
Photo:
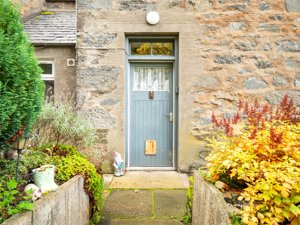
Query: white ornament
[
  {"x": 152, "y": 17},
  {"x": 36, "y": 192},
  {"x": 44, "y": 178}
]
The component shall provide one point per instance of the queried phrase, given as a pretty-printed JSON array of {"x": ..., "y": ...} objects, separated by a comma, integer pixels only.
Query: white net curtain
[{"x": 151, "y": 78}]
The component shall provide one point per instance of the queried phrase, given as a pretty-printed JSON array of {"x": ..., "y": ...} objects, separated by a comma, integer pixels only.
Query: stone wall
[
  {"x": 68, "y": 205},
  {"x": 227, "y": 50},
  {"x": 65, "y": 76},
  {"x": 209, "y": 206},
  {"x": 29, "y": 8}
]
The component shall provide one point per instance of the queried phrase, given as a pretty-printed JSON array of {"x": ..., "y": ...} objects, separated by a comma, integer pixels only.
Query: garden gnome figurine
[{"x": 118, "y": 165}]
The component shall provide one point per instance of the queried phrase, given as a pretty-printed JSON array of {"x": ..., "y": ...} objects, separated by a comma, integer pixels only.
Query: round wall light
[{"x": 152, "y": 17}]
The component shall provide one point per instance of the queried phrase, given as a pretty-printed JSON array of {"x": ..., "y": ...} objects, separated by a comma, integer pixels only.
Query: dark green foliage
[
  {"x": 21, "y": 87},
  {"x": 187, "y": 219},
  {"x": 236, "y": 219},
  {"x": 28, "y": 162},
  {"x": 69, "y": 163},
  {"x": 12, "y": 200}
]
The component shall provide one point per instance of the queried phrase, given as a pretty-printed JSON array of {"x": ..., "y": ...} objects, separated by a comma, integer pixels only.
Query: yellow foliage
[{"x": 269, "y": 167}]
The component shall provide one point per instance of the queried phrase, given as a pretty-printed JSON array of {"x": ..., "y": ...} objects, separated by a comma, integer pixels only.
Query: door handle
[{"x": 171, "y": 117}]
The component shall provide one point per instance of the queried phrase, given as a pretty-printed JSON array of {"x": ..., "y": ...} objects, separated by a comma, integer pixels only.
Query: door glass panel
[
  {"x": 162, "y": 49},
  {"x": 151, "y": 78},
  {"x": 138, "y": 48},
  {"x": 152, "y": 48}
]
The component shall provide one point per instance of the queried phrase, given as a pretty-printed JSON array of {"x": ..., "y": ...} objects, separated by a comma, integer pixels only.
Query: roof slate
[{"x": 52, "y": 29}]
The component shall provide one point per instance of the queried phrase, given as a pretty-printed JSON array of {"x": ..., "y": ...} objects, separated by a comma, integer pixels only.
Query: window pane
[
  {"x": 46, "y": 67},
  {"x": 49, "y": 89},
  {"x": 151, "y": 78},
  {"x": 139, "y": 48},
  {"x": 162, "y": 49}
]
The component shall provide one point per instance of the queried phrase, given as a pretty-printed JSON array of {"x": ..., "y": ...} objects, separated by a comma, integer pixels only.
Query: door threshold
[{"x": 151, "y": 168}]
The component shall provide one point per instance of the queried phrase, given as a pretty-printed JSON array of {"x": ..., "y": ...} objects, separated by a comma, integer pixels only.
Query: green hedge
[{"x": 21, "y": 87}]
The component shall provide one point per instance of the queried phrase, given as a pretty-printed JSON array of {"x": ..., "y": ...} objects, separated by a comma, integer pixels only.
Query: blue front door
[{"x": 151, "y": 115}]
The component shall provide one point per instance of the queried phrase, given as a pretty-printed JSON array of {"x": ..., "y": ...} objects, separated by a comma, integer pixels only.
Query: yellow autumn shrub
[
  {"x": 266, "y": 159},
  {"x": 270, "y": 168}
]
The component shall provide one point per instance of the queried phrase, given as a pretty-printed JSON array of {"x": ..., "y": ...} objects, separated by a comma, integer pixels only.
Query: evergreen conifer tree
[{"x": 21, "y": 87}]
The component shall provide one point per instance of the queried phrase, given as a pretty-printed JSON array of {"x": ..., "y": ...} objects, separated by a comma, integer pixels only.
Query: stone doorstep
[
  {"x": 147, "y": 180},
  {"x": 143, "y": 221},
  {"x": 144, "y": 207}
]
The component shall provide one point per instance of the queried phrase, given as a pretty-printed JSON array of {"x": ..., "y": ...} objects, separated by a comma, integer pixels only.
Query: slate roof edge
[{"x": 29, "y": 17}]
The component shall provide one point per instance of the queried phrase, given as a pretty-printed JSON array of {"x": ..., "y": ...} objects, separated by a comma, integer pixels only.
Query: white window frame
[{"x": 48, "y": 76}]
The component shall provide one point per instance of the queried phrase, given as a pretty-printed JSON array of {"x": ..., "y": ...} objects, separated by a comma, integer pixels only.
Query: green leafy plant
[
  {"x": 69, "y": 163},
  {"x": 21, "y": 87},
  {"x": 12, "y": 201},
  {"x": 236, "y": 219},
  {"x": 59, "y": 123},
  {"x": 263, "y": 158},
  {"x": 29, "y": 161},
  {"x": 187, "y": 219}
]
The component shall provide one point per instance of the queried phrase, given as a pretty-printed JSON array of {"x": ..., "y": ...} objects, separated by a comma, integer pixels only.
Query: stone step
[
  {"x": 154, "y": 206},
  {"x": 144, "y": 221}
]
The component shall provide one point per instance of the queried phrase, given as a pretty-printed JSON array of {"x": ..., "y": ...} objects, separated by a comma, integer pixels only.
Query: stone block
[
  {"x": 101, "y": 118},
  {"x": 276, "y": 17},
  {"x": 94, "y": 4},
  {"x": 292, "y": 5},
  {"x": 206, "y": 81},
  {"x": 101, "y": 136},
  {"x": 236, "y": 26},
  {"x": 109, "y": 102},
  {"x": 267, "y": 47},
  {"x": 96, "y": 40},
  {"x": 24, "y": 218},
  {"x": 239, "y": 7},
  {"x": 101, "y": 80},
  {"x": 292, "y": 64},
  {"x": 268, "y": 27},
  {"x": 279, "y": 80},
  {"x": 252, "y": 83},
  {"x": 246, "y": 46},
  {"x": 275, "y": 97},
  {"x": 204, "y": 121},
  {"x": 264, "y": 6},
  {"x": 131, "y": 5},
  {"x": 142, "y": 221},
  {"x": 209, "y": 206},
  {"x": 244, "y": 71},
  {"x": 226, "y": 96},
  {"x": 227, "y": 59},
  {"x": 288, "y": 46},
  {"x": 263, "y": 64},
  {"x": 169, "y": 203},
  {"x": 200, "y": 5},
  {"x": 130, "y": 204},
  {"x": 65, "y": 206},
  {"x": 297, "y": 81}
]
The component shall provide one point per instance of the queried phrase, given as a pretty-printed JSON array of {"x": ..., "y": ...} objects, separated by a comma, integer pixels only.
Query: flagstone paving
[{"x": 139, "y": 204}]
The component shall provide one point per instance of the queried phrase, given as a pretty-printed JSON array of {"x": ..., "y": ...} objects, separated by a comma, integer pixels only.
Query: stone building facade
[
  {"x": 53, "y": 33},
  {"x": 224, "y": 50}
]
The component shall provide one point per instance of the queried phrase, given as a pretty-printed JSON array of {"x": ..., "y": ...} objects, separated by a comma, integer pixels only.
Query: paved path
[{"x": 145, "y": 198}]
